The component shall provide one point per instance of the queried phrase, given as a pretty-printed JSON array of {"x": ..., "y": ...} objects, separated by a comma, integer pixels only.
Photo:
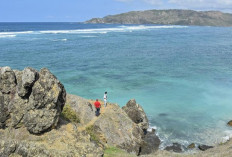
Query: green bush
[{"x": 69, "y": 114}]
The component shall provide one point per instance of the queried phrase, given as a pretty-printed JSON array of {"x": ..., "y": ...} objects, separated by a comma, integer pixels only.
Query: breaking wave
[{"x": 122, "y": 28}]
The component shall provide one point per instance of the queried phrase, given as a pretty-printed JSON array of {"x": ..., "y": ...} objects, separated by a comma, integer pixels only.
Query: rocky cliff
[
  {"x": 38, "y": 119},
  {"x": 169, "y": 17}
]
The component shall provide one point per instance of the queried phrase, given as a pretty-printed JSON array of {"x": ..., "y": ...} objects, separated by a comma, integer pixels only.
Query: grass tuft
[
  {"x": 92, "y": 133},
  {"x": 69, "y": 114},
  {"x": 114, "y": 152}
]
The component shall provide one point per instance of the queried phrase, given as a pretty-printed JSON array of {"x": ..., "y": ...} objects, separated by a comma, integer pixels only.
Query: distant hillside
[{"x": 169, "y": 17}]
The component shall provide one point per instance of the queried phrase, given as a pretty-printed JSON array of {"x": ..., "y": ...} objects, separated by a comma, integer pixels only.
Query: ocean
[{"x": 181, "y": 75}]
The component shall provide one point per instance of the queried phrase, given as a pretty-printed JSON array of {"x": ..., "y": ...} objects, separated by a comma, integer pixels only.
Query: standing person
[
  {"x": 97, "y": 105},
  {"x": 105, "y": 99}
]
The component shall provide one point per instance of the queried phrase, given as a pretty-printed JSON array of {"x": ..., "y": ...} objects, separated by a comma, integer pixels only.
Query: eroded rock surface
[
  {"x": 114, "y": 127},
  {"x": 30, "y": 98},
  {"x": 136, "y": 114},
  {"x": 64, "y": 141},
  {"x": 151, "y": 143}
]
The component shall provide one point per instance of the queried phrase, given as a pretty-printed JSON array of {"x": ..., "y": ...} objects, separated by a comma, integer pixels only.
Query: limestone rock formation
[
  {"x": 137, "y": 114},
  {"x": 30, "y": 98},
  {"x": 113, "y": 126}
]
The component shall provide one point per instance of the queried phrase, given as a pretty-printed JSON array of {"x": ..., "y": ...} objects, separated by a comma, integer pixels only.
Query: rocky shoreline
[{"x": 38, "y": 118}]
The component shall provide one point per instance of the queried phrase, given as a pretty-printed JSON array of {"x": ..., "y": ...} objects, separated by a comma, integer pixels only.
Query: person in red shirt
[{"x": 97, "y": 105}]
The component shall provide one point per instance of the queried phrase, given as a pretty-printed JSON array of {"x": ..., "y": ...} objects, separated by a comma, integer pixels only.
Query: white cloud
[
  {"x": 189, "y": 4},
  {"x": 154, "y": 2},
  {"x": 202, "y": 3}
]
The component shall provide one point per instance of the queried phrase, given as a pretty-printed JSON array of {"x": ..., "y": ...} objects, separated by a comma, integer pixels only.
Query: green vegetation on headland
[{"x": 169, "y": 17}]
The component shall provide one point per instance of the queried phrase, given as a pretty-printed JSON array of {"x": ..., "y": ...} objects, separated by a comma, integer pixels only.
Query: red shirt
[{"x": 97, "y": 104}]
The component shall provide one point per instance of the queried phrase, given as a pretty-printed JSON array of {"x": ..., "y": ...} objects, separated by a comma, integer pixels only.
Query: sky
[{"x": 82, "y": 10}]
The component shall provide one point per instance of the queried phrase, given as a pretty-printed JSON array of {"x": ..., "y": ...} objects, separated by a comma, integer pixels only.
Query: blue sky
[{"x": 81, "y": 10}]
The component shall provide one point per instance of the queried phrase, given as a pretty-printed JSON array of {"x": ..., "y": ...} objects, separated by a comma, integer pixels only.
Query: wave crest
[{"x": 122, "y": 28}]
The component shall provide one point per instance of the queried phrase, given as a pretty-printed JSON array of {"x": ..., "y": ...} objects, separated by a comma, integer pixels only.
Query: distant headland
[{"x": 169, "y": 17}]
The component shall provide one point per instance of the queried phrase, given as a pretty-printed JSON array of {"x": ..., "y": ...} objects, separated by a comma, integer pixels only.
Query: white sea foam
[
  {"x": 7, "y": 36},
  {"x": 227, "y": 137},
  {"x": 88, "y": 36},
  {"x": 122, "y": 28},
  {"x": 152, "y": 127},
  {"x": 59, "y": 40},
  {"x": 107, "y": 30},
  {"x": 15, "y": 33}
]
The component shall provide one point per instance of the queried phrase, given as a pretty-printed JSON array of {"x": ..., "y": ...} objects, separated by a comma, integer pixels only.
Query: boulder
[
  {"x": 151, "y": 143},
  {"x": 192, "y": 146},
  {"x": 204, "y": 147},
  {"x": 175, "y": 147},
  {"x": 30, "y": 98},
  {"x": 229, "y": 123},
  {"x": 136, "y": 114}
]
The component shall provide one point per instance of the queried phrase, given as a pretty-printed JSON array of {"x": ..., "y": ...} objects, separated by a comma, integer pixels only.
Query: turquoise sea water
[{"x": 182, "y": 76}]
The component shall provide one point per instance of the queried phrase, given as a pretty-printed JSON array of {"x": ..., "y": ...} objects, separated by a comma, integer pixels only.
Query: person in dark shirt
[{"x": 97, "y": 105}]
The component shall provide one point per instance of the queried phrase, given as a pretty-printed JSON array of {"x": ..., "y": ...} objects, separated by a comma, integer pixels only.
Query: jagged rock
[
  {"x": 7, "y": 80},
  {"x": 113, "y": 126},
  {"x": 229, "y": 123},
  {"x": 137, "y": 114},
  {"x": 119, "y": 130},
  {"x": 26, "y": 81},
  {"x": 191, "y": 146},
  {"x": 46, "y": 102},
  {"x": 204, "y": 147},
  {"x": 151, "y": 143},
  {"x": 29, "y": 98},
  {"x": 175, "y": 147},
  {"x": 7, "y": 90}
]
